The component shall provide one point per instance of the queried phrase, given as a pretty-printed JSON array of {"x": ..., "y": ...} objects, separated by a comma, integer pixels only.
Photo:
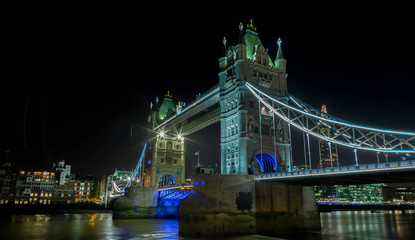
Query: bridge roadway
[{"x": 392, "y": 172}]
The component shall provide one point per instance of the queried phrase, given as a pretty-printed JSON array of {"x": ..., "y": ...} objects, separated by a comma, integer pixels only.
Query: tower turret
[
  {"x": 241, "y": 46},
  {"x": 280, "y": 61},
  {"x": 223, "y": 59}
]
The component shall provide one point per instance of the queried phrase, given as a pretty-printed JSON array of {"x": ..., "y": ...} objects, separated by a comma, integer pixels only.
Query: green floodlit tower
[{"x": 252, "y": 139}]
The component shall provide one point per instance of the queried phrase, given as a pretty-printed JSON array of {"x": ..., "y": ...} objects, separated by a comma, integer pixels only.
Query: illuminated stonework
[
  {"x": 164, "y": 163},
  {"x": 241, "y": 132}
]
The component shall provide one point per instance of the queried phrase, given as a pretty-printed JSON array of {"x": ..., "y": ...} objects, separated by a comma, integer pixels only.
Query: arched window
[
  {"x": 169, "y": 145},
  {"x": 167, "y": 180}
]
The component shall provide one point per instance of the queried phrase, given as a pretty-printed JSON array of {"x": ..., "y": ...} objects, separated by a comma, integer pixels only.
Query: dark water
[{"x": 335, "y": 225}]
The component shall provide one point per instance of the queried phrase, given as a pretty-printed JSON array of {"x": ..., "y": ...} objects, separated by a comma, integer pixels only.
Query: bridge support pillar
[
  {"x": 219, "y": 205},
  {"x": 138, "y": 202},
  {"x": 283, "y": 208},
  {"x": 238, "y": 205}
]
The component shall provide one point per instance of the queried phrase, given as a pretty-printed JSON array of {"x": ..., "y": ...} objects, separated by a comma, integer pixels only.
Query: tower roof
[
  {"x": 167, "y": 107},
  {"x": 251, "y": 40}
]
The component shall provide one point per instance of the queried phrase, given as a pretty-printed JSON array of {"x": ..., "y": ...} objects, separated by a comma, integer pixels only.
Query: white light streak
[{"x": 289, "y": 121}]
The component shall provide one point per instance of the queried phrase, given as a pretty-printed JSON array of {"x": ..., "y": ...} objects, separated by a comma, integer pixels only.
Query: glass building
[{"x": 350, "y": 193}]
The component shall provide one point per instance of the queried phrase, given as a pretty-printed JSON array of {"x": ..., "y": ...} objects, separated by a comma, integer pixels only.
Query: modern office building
[{"x": 350, "y": 193}]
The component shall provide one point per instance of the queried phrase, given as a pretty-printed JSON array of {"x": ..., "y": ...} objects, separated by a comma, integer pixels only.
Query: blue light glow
[{"x": 267, "y": 162}]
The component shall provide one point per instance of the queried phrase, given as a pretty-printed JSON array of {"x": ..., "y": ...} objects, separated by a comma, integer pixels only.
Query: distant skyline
[{"x": 76, "y": 84}]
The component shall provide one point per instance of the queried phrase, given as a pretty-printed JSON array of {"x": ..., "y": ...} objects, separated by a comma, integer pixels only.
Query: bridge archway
[
  {"x": 264, "y": 163},
  {"x": 166, "y": 180}
]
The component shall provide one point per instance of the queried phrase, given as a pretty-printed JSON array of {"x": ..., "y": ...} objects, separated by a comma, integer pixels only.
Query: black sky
[{"x": 75, "y": 81}]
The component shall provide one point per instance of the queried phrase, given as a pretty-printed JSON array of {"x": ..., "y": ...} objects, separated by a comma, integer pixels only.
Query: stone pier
[
  {"x": 283, "y": 208},
  {"x": 238, "y": 205},
  {"x": 138, "y": 202},
  {"x": 219, "y": 205}
]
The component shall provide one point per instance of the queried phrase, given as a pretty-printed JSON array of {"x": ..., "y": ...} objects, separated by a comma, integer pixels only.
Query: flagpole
[{"x": 198, "y": 162}]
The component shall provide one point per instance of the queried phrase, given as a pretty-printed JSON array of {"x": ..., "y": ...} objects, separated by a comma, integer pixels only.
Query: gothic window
[
  {"x": 162, "y": 160},
  {"x": 260, "y": 74},
  {"x": 161, "y": 145},
  {"x": 177, "y": 147},
  {"x": 251, "y": 103},
  {"x": 254, "y": 73},
  {"x": 169, "y": 145},
  {"x": 175, "y": 161},
  {"x": 259, "y": 61}
]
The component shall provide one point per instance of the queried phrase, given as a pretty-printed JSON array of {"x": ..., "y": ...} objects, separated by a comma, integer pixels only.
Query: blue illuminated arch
[{"x": 267, "y": 162}]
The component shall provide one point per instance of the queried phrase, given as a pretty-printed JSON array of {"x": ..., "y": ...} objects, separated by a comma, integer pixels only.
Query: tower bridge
[{"x": 257, "y": 116}]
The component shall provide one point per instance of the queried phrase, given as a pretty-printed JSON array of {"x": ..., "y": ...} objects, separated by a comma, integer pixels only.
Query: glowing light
[
  {"x": 161, "y": 134},
  {"x": 179, "y": 136}
]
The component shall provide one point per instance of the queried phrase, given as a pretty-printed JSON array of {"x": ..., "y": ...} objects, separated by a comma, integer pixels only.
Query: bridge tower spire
[{"x": 280, "y": 61}]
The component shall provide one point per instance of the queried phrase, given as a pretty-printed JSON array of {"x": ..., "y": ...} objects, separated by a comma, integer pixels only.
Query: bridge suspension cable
[
  {"x": 310, "y": 120},
  {"x": 137, "y": 168},
  {"x": 119, "y": 189}
]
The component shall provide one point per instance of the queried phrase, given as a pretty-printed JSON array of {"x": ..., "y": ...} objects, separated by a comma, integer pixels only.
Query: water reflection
[
  {"x": 368, "y": 225},
  {"x": 335, "y": 225}
]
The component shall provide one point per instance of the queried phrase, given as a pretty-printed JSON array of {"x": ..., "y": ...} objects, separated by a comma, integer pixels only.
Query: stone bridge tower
[
  {"x": 246, "y": 145},
  {"x": 165, "y": 157}
]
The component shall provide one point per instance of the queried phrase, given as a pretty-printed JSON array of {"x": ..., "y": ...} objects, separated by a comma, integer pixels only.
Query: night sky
[{"x": 74, "y": 83}]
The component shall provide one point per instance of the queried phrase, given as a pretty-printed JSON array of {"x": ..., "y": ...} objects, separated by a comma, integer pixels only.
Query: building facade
[
  {"x": 7, "y": 184},
  {"x": 83, "y": 189},
  {"x": 34, "y": 187}
]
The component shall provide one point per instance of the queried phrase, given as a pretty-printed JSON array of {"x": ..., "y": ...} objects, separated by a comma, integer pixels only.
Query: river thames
[{"x": 335, "y": 225}]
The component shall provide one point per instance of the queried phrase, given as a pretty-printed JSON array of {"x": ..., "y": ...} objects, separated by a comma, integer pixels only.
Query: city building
[
  {"x": 64, "y": 184},
  {"x": 7, "y": 184},
  {"x": 83, "y": 189},
  {"x": 64, "y": 194},
  {"x": 328, "y": 151},
  {"x": 402, "y": 192},
  {"x": 33, "y": 187},
  {"x": 350, "y": 193},
  {"x": 63, "y": 172},
  {"x": 59, "y": 186}
]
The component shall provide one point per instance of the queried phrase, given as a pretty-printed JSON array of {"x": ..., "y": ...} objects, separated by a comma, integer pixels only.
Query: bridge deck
[{"x": 403, "y": 171}]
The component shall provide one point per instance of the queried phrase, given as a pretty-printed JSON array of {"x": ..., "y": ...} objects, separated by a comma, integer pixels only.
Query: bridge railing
[{"x": 337, "y": 170}]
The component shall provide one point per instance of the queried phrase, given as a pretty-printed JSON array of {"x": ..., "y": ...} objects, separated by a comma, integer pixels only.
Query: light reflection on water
[{"x": 335, "y": 225}]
